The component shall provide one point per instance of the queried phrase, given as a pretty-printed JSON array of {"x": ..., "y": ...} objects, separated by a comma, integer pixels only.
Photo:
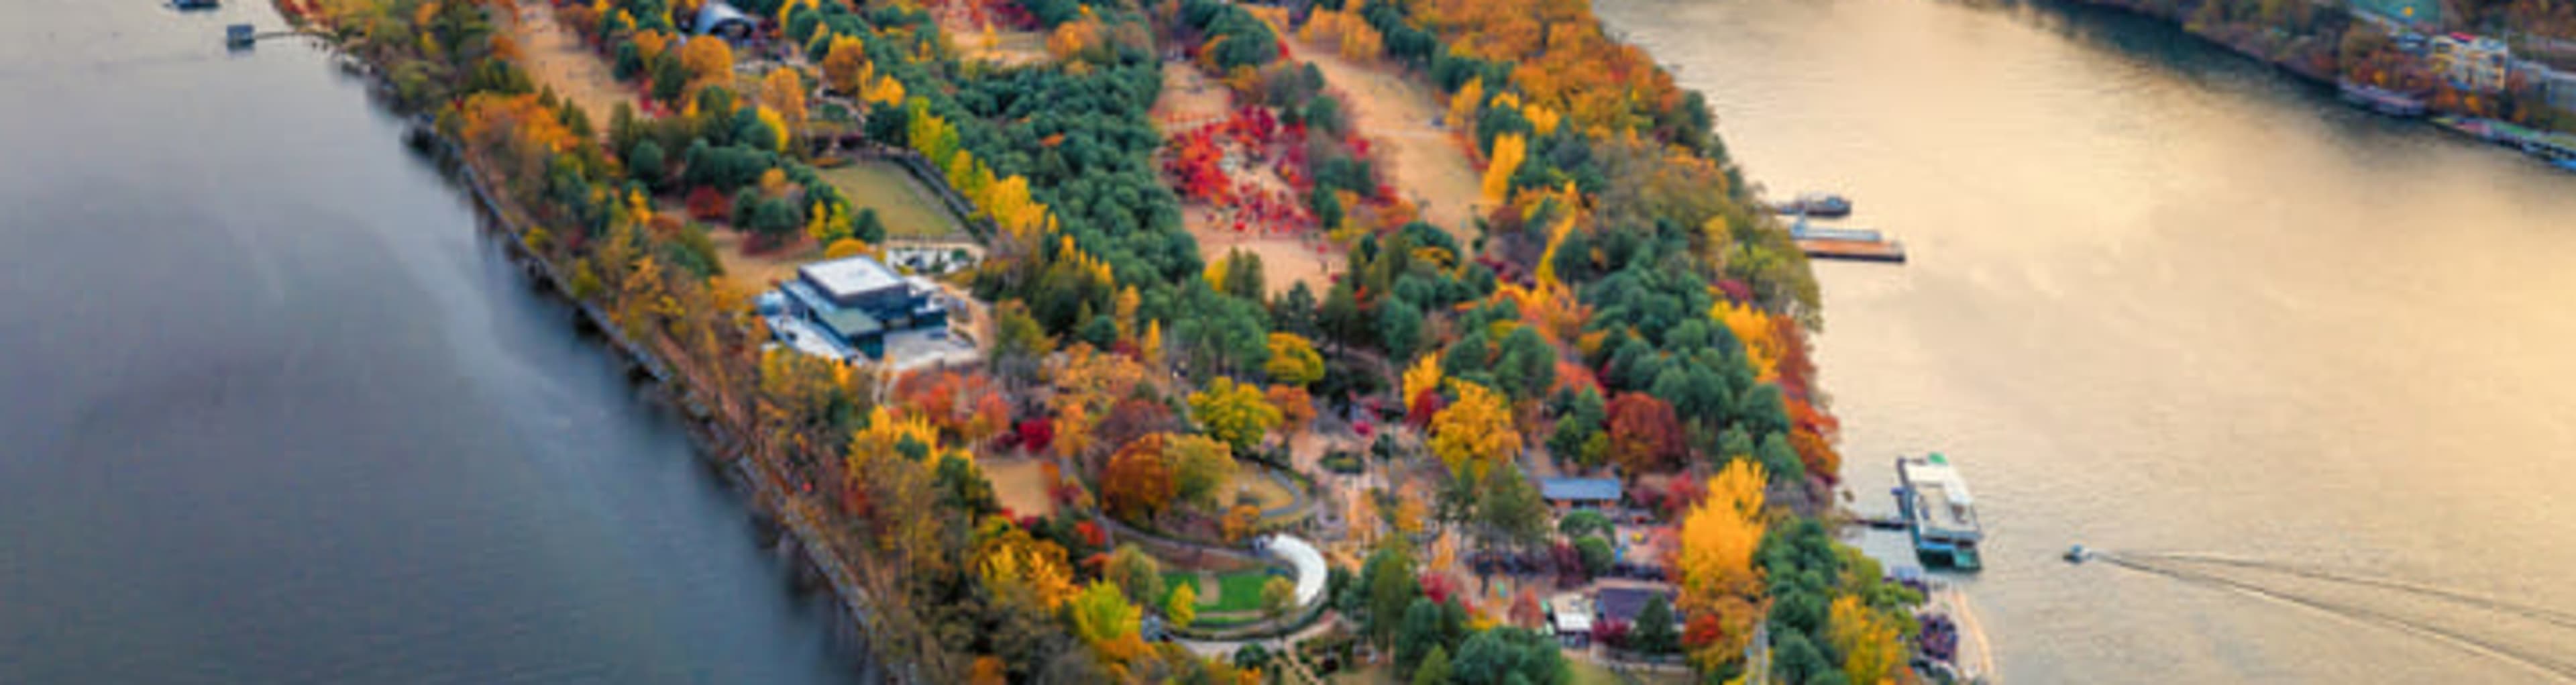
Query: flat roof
[
  {"x": 1579, "y": 489},
  {"x": 1624, "y": 603},
  {"x": 850, "y": 276}
]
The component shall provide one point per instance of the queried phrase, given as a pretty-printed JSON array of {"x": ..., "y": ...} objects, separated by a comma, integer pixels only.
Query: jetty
[
  {"x": 1853, "y": 250},
  {"x": 2381, "y": 100},
  {"x": 1853, "y": 244}
]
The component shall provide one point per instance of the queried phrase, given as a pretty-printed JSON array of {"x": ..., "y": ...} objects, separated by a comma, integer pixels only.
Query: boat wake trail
[{"x": 2181, "y": 566}]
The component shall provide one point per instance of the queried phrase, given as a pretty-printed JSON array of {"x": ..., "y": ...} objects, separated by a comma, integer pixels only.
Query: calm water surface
[
  {"x": 2165, "y": 300},
  {"x": 272, "y": 411}
]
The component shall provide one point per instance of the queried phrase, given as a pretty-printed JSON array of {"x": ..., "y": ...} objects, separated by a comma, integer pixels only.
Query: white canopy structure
[{"x": 1311, "y": 572}]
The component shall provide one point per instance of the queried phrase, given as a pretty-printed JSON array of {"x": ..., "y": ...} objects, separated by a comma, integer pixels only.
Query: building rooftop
[
  {"x": 1624, "y": 603},
  {"x": 849, "y": 277},
  {"x": 1579, "y": 489}
]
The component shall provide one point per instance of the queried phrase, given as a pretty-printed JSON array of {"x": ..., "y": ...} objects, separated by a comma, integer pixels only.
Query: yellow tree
[
  {"x": 1868, "y": 640},
  {"x": 1105, "y": 621},
  {"x": 708, "y": 61},
  {"x": 1474, "y": 433},
  {"x": 1462, "y": 107},
  {"x": 1754, "y": 329},
  {"x": 784, "y": 90},
  {"x": 1509, "y": 148},
  {"x": 1423, "y": 377},
  {"x": 1007, "y": 554},
  {"x": 1236, "y": 414},
  {"x": 845, "y": 65},
  {"x": 1715, "y": 563},
  {"x": 1293, "y": 360},
  {"x": 1183, "y": 607}
]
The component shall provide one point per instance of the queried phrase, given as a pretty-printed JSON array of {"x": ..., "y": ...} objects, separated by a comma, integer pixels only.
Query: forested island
[{"x": 1396, "y": 334}]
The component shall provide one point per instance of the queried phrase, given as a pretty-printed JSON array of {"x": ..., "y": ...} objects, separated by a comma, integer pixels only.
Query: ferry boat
[
  {"x": 1821, "y": 205},
  {"x": 1939, "y": 514}
]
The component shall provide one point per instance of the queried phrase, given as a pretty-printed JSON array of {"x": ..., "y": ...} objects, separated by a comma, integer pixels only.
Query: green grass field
[
  {"x": 908, "y": 210},
  {"x": 1239, "y": 591}
]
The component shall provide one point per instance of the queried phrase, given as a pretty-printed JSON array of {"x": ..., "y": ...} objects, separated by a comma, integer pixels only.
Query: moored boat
[
  {"x": 1823, "y": 205},
  {"x": 1940, "y": 516}
]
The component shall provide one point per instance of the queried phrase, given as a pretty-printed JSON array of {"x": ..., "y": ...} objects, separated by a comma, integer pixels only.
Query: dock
[{"x": 1853, "y": 250}]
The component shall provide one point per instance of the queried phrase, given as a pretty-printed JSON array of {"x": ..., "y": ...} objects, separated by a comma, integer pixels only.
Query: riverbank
[
  {"x": 2378, "y": 63},
  {"x": 721, "y": 435}
]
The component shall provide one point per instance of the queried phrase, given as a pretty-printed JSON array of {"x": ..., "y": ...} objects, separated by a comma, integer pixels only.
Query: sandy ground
[
  {"x": 756, "y": 271},
  {"x": 1020, "y": 483},
  {"x": 557, "y": 59},
  {"x": 1007, "y": 47},
  {"x": 1189, "y": 99},
  {"x": 1399, "y": 116}
]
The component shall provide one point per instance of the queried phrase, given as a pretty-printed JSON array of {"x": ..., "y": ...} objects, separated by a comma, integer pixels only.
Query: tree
[
  {"x": 1136, "y": 573},
  {"x": 1236, "y": 414},
  {"x": 1869, "y": 640},
  {"x": 1509, "y": 150},
  {"x": 1654, "y": 634},
  {"x": 1584, "y": 522},
  {"x": 1580, "y": 422},
  {"x": 1509, "y": 510},
  {"x": 1183, "y": 607},
  {"x": 1239, "y": 521},
  {"x": 1392, "y": 586},
  {"x": 1428, "y": 624},
  {"x": 1293, "y": 360},
  {"x": 646, "y": 163},
  {"x": 1107, "y": 622},
  {"x": 1277, "y": 597},
  {"x": 708, "y": 61},
  {"x": 1136, "y": 486},
  {"x": 1645, "y": 436},
  {"x": 1296, "y": 407},
  {"x": 783, "y": 90},
  {"x": 1434, "y": 669},
  {"x": 1475, "y": 433},
  {"x": 1715, "y": 566},
  {"x": 1596, "y": 554},
  {"x": 1201, "y": 466}
]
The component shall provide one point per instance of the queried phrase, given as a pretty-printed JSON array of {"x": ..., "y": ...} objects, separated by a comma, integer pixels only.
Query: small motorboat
[
  {"x": 2077, "y": 554},
  {"x": 1821, "y": 205}
]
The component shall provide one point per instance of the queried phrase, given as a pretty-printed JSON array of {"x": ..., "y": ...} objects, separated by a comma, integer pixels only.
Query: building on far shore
[
  {"x": 2471, "y": 62},
  {"x": 846, "y": 308}
]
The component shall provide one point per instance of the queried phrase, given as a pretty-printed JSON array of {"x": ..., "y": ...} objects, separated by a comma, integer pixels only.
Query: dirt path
[
  {"x": 1399, "y": 116},
  {"x": 557, "y": 59}
]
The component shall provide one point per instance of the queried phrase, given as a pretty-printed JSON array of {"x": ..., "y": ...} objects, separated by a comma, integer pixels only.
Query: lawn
[
  {"x": 908, "y": 210},
  {"x": 1238, "y": 591}
]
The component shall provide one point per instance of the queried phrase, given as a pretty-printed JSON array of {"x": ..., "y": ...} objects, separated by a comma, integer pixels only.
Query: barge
[{"x": 1939, "y": 514}]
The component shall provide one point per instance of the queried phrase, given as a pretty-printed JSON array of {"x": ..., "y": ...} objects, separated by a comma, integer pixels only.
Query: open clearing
[
  {"x": 908, "y": 210},
  {"x": 1398, "y": 115},
  {"x": 757, "y": 271},
  {"x": 1021, "y": 485},
  {"x": 559, "y": 60},
  {"x": 1189, "y": 99}
]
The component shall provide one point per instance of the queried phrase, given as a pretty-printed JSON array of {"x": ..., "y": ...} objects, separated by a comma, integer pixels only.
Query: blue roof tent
[
  {"x": 723, "y": 21},
  {"x": 1579, "y": 490}
]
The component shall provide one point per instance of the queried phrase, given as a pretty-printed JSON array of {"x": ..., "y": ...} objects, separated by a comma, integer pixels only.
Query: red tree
[{"x": 1645, "y": 436}]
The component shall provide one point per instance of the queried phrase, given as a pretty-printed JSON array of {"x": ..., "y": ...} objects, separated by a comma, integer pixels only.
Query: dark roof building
[
  {"x": 1624, "y": 603},
  {"x": 855, "y": 302}
]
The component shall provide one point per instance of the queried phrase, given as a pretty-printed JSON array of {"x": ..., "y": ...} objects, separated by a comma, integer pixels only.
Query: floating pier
[{"x": 1853, "y": 250}]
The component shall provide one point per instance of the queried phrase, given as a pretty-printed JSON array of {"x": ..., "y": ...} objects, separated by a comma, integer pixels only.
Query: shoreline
[
  {"x": 786, "y": 527},
  {"x": 2326, "y": 76}
]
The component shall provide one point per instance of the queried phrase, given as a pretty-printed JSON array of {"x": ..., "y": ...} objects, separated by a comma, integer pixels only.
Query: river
[
  {"x": 2165, "y": 299},
  {"x": 276, "y": 411}
]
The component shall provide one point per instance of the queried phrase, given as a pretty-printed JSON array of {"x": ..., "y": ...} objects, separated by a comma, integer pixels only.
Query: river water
[
  {"x": 2164, "y": 299},
  {"x": 276, "y": 411}
]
